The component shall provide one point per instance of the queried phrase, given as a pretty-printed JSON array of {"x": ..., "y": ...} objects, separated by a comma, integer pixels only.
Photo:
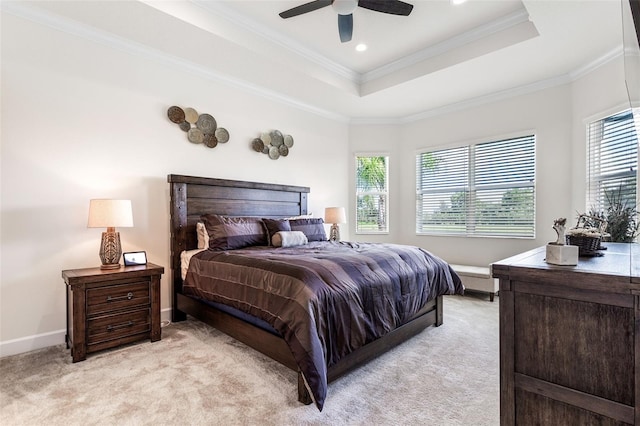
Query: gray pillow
[
  {"x": 275, "y": 225},
  {"x": 313, "y": 228},
  {"x": 228, "y": 233}
]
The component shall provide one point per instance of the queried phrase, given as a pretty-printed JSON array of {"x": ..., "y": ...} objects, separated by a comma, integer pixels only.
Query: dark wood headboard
[{"x": 193, "y": 196}]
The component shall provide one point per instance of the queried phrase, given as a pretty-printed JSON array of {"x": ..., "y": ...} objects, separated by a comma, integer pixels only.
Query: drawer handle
[
  {"x": 115, "y": 327},
  {"x": 129, "y": 296}
]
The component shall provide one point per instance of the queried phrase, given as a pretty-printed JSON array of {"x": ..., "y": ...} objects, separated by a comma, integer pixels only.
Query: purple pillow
[
  {"x": 227, "y": 233},
  {"x": 275, "y": 225},
  {"x": 313, "y": 228}
]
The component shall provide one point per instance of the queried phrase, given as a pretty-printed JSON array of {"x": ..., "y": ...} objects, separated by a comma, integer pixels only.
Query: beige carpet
[{"x": 195, "y": 375}]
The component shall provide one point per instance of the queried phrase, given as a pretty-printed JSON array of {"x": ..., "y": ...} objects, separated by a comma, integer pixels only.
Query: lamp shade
[
  {"x": 110, "y": 214},
  {"x": 335, "y": 215}
]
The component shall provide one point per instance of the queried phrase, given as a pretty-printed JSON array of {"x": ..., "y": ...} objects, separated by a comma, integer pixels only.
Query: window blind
[
  {"x": 485, "y": 189},
  {"x": 612, "y": 161}
]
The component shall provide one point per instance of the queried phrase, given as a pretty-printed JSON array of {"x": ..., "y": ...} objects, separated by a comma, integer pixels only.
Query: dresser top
[{"x": 620, "y": 264}]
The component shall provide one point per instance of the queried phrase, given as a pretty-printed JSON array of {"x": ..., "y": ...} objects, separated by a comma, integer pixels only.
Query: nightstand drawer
[
  {"x": 116, "y": 326},
  {"x": 115, "y": 297}
]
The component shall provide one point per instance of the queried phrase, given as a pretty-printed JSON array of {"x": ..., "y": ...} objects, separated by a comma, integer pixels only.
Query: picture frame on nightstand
[{"x": 134, "y": 258}]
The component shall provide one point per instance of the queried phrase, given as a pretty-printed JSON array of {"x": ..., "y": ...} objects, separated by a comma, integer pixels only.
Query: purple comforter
[{"x": 326, "y": 299}]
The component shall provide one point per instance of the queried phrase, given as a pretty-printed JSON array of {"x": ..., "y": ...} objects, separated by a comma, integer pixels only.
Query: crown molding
[
  {"x": 32, "y": 13},
  {"x": 596, "y": 63},
  {"x": 470, "y": 103},
  {"x": 492, "y": 97},
  {"x": 499, "y": 96},
  {"x": 294, "y": 46},
  {"x": 277, "y": 38},
  {"x": 453, "y": 43},
  {"x": 75, "y": 28}
]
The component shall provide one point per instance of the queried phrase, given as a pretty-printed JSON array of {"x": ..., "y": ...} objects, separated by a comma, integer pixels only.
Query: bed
[{"x": 192, "y": 197}]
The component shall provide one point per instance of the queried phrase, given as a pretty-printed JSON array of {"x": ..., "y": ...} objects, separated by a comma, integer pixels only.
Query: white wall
[
  {"x": 546, "y": 113},
  {"x": 557, "y": 115},
  {"x": 82, "y": 120}
]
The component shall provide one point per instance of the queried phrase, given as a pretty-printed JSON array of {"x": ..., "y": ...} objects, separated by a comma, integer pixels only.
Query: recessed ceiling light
[
  {"x": 361, "y": 47},
  {"x": 458, "y": 1}
]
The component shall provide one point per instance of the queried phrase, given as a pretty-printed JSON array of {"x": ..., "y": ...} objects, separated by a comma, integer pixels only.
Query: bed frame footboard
[{"x": 275, "y": 347}]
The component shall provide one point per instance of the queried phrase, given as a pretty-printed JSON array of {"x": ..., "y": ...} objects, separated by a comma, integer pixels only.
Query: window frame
[
  {"x": 470, "y": 211},
  {"x": 385, "y": 193},
  {"x": 594, "y": 196}
]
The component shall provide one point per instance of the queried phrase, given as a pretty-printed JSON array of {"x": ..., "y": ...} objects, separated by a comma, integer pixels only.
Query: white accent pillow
[
  {"x": 289, "y": 239},
  {"x": 203, "y": 236},
  {"x": 185, "y": 258}
]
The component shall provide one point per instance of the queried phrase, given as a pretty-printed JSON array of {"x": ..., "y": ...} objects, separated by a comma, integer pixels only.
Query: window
[
  {"x": 612, "y": 162},
  {"x": 372, "y": 194},
  {"x": 485, "y": 189}
]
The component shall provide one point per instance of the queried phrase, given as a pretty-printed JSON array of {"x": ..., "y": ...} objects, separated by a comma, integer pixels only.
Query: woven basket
[{"x": 586, "y": 245}]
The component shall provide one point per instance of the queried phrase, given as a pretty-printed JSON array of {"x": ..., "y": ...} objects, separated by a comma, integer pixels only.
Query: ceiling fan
[{"x": 345, "y": 8}]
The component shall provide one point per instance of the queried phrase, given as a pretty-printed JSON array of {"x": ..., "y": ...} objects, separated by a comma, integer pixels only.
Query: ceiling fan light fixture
[{"x": 344, "y": 7}]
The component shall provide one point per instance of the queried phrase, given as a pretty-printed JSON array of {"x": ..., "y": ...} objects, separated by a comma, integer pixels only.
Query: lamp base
[
  {"x": 334, "y": 233},
  {"x": 110, "y": 266},
  {"x": 110, "y": 249}
]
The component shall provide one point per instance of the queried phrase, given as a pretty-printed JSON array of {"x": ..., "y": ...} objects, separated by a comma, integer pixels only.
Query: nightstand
[{"x": 108, "y": 308}]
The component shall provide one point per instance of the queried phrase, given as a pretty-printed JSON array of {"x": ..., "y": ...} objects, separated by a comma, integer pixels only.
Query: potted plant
[{"x": 621, "y": 217}]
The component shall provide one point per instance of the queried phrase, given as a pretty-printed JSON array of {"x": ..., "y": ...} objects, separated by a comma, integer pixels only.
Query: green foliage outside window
[{"x": 371, "y": 194}]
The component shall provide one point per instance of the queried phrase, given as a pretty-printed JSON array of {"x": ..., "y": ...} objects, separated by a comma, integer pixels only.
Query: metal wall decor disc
[
  {"x": 283, "y": 150},
  {"x": 191, "y": 115},
  {"x": 288, "y": 141},
  {"x": 257, "y": 145},
  {"x": 274, "y": 153},
  {"x": 185, "y": 126},
  {"x": 206, "y": 123},
  {"x": 195, "y": 135},
  {"x": 176, "y": 114},
  {"x": 266, "y": 138},
  {"x": 276, "y": 138},
  {"x": 222, "y": 135},
  {"x": 210, "y": 140},
  {"x": 265, "y": 149}
]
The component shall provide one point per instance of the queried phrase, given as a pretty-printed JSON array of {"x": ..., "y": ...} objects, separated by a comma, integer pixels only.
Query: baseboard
[
  {"x": 44, "y": 340},
  {"x": 31, "y": 343}
]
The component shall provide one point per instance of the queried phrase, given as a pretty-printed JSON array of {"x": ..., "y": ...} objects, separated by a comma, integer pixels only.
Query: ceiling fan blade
[
  {"x": 395, "y": 7},
  {"x": 304, "y": 8},
  {"x": 345, "y": 27}
]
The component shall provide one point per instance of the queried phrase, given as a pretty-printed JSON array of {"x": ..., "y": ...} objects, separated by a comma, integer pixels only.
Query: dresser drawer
[
  {"x": 118, "y": 326},
  {"x": 115, "y": 297}
]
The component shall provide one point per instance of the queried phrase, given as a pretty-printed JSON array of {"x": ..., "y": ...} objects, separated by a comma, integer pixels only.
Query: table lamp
[
  {"x": 110, "y": 214},
  {"x": 334, "y": 215}
]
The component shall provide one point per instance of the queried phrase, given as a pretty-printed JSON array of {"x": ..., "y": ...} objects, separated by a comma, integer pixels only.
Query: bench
[{"x": 477, "y": 278}]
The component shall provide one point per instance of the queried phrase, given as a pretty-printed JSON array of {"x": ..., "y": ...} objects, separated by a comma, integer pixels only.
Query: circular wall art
[
  {"x": 200, "y": 128},
  {"x": 273, "y": 143}
]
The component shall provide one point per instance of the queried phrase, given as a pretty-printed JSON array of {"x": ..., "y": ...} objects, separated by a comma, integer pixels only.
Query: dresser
[
  {"x": 570, "y": 339},
  {"x": 108, "y": 308}
]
